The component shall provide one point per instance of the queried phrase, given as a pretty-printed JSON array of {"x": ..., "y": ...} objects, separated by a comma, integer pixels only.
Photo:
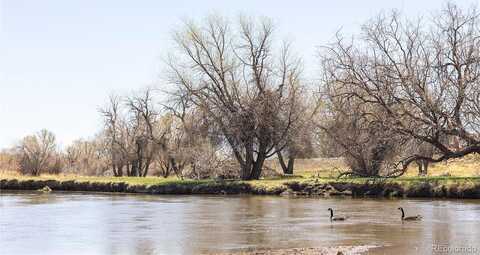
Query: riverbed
[{"x": 96, "y": 223}]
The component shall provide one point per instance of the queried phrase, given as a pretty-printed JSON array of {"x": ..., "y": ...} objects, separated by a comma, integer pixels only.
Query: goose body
[
  {"x": 409, "y": 218},
  {"x": 332, "y": 218}
]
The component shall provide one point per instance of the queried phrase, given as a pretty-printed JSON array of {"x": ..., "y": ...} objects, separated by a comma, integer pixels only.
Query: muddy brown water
[{"x": 82, "y": 223}]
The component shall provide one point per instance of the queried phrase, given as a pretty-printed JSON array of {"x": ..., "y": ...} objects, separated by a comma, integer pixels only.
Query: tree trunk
[
  {"x": 422, "y": 167},
  {"x": 139, "y": 166},
  {"x": 291, "y": 162},
  {"x": 145, "y": 170},
  {"x": 175, "y": 167},
  {"x": 120, "y": 170},
  {"x": 114, "y": 169},
  {"x": 134, "y": 168},
  {"x": 246, "y": 170},
  {"x": 287, "y": 168},
  {"x": 129, "y": 169},
  {"x": 282, "y": 162},
  {"x": 257, "y": 167}
]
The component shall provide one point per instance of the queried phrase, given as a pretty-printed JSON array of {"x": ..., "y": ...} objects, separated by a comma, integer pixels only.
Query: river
[{"x": 86, "y": 223}]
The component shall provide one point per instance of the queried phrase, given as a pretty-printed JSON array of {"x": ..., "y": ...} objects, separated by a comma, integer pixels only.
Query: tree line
[{"x": 401, "y": 91}]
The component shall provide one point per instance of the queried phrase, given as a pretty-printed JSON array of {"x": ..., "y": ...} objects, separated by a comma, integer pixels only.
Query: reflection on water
[{"x": 74, "y": 223}]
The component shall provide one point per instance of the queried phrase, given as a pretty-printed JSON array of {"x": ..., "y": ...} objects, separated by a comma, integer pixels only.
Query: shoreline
[
  {"x": 467, "y": 188},
  {"x": 330, "y": 250}
]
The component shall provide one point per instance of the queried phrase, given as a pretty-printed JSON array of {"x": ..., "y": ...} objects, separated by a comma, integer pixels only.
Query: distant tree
[
  {"x": 87, "y": 157},
  {"x": 133, "y": 133},
  {"x": 116, "y": 135},
  {"x": 8, "y": 160},
  {"x": 172, "y": 157},
  {"x": 142, "y": 121},
  {"x": 38, "y": 153}
]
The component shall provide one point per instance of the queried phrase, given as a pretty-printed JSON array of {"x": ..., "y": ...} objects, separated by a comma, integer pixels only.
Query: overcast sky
[{"x": 60, "y": 59}]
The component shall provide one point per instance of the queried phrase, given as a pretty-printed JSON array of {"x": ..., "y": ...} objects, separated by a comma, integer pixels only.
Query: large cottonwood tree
[
  {"x": 234, "y": 73},
  {"x": 423, "y": 75}
]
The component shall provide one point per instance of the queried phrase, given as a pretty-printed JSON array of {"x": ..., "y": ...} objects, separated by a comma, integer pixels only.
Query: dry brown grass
[
  {"x": 330, "y": 167},
  {"x": 464, "y": 167},
  {"x": 306, "y": 168},
  {"x": 322, "y": 167}
]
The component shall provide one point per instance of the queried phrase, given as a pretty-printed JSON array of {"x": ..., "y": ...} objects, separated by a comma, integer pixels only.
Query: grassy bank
[
  {"x": 457, "y": 179},
  {"x": 447, "y": 187}
]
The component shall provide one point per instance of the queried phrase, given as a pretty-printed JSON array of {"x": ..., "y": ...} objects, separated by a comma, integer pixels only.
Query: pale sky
[{"x": 60, "y": 59}]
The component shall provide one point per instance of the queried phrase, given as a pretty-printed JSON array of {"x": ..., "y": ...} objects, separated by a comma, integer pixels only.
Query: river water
[{"x": 79, "y": 223}]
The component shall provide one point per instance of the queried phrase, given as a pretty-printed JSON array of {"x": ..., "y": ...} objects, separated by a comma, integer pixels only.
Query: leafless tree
[
  {"x": 299, "y": 138},
  {"x": 366, "y": 146},
  {"x": 193, "y": 141},
  {"x": 87, "y": 157},
  {"x": 8, "y": 160},
  {"x": 234, "y": 75},
  {"x": 172, "y": 157},
  {"x": 423, "y": 76},
  {"x": 143, "y": 119},
  {"x": 37, "y": 154},
  {"x": 132, "y": 133},
  {"x": 115, "y": 135}
]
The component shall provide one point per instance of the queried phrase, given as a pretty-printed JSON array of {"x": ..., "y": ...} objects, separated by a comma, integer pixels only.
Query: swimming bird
[
  {"x": 409, "y": 218},
  {"x": 332, "y": 218},
  {"x": 45, "y": 189}
]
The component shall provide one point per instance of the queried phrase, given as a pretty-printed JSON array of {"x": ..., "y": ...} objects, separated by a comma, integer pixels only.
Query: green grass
[
  {"x": 462, "y": 172},
  {"x": 457, "y": 187},
  {"x": 78, "y": 178},
  {"x": 266, "y": 182}
]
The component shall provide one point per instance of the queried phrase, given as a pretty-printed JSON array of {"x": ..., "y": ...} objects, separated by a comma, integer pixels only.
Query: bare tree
[
  {"x": 133, "y": 134},
  {"x": 87, "y": 157},
  {"x": 424, "y": 78},
  {"x": 234, "y": 76},
  {"x": 366, "y": 146},
  {"x": 172, "y": 157},
  {"x": 8, "y": 160},
  {"x": 300, "y": 136},
  {"x": 37, "y": 153},
  {"x": 147, "y": 140},
  {"x": 115, "y": 135},
  {"x": 193, "y": 142}
]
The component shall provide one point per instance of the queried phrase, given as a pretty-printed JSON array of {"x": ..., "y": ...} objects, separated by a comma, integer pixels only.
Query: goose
[
  {"x": 335, "y": 218},
  {"x": 409, "y": 218}
]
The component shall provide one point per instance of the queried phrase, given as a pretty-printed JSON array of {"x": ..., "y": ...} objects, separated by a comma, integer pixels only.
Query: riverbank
[
  {"x": 428, "y": 187},
  {"x": 340, "y": 250}
]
